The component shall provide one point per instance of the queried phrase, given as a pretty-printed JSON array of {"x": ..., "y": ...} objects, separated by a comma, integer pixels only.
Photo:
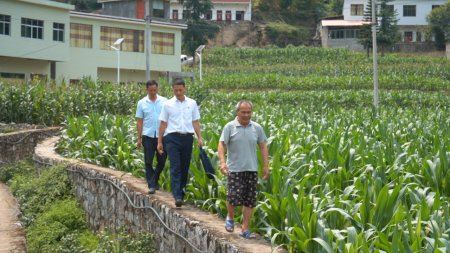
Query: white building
[
  {"x": 411, "y": 15},
  {"x": 47, "y": 39},
  {"x": 223, "y": 10}
]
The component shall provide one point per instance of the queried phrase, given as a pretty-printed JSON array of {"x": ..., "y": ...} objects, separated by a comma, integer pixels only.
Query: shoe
[
  {"x": 248, "y": 235},
  {"x": 151, "y": 190},
  {"x": 178, "y": 202},
  {"x": 229, "y": 226}
]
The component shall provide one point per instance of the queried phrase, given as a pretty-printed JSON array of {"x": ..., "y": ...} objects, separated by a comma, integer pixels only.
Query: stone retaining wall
[
  {"x": 103, "y": 194},
  {"x": 20, "y": 145}
]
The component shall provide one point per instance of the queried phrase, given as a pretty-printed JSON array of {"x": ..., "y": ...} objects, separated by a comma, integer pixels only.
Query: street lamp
[
  {"x": 116, "y": 46},
  {"x": 198, "y": 51}
]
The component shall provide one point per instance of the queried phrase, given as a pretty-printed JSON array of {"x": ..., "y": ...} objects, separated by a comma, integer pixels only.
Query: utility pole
[
  {"x": 375, "y": 56},
  {"x": 148, "y": 20}
]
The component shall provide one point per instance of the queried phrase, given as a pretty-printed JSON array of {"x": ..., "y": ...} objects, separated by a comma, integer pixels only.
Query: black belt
[{"x": 182, "y": 134}]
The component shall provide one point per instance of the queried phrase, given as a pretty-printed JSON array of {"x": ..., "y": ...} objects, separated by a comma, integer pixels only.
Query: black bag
[{"x": 209, "y": 169}]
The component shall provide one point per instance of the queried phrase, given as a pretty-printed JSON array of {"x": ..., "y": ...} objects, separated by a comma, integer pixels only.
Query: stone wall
[
  {"x": 20, "y": 145},
  {"x": 113, "y": 199}
]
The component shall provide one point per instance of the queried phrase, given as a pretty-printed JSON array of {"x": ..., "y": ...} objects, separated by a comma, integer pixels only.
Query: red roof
[{"x": 231, "y": 1}]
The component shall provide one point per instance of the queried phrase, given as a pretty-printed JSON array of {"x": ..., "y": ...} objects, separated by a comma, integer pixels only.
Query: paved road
[{"x": 12, "y": 239}]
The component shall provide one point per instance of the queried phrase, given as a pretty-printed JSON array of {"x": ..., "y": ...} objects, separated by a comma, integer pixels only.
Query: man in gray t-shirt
[{"x": 239, "y": 140}]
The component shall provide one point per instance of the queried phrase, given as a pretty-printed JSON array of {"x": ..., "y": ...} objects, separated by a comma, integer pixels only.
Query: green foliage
[
  {"x": 282, "y": 34},
  {"x": 62, "y": 218},
  {"x": 439, "y": 20},
  {"x": 198, "y": 31},
  {"x": 35, "y": 192},
  {"x": 20, "y": 169},
  {"x": 123, "y": 241}
]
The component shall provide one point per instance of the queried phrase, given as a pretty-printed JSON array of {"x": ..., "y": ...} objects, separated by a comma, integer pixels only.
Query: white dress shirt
[{"x": 179, "y": 115}]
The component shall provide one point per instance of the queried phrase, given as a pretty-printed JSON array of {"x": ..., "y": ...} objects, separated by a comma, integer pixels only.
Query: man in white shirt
[
  {"x": 180, "y": 118},
  {"x": 147, "y": 121}
]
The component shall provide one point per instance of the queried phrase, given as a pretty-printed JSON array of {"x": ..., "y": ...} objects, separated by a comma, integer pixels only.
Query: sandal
[
  {"x": 248, "y": 235},
  {"x": 229, "y": 226}
]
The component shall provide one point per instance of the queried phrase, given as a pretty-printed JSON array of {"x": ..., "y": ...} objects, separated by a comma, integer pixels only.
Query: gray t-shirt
[{"x": 241, "y": 145}]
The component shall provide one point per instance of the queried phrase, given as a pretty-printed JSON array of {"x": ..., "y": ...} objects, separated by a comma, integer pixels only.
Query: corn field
[{"x": 344, "y": 176}]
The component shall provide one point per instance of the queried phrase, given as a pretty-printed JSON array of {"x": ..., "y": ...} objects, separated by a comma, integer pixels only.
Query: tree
[
  {"x": 365, "y": 33},
  {"x": 439, "y": 21},
  {"x": 387, "y": 30},
  {"x": 198, "y": 30}
]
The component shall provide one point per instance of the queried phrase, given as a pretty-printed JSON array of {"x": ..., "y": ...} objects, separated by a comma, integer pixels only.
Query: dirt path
[{"x": 12, "y": 238}]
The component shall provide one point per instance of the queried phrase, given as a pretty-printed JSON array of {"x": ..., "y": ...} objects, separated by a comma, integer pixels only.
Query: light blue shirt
[
  {"x": 179, "y": 115},
  {"x": 241, "y": 142},
  {"x": 149, "y": 111}
]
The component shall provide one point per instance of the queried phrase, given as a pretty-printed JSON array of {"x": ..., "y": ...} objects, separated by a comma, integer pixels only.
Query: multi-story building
[
  {"x": 48, "y": 39},
  {"x": 411, "y": 15},
  {"x": 223, "y": 10}
]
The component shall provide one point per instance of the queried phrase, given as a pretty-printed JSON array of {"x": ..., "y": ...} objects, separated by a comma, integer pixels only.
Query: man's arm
[
  {"x": 139, "y": 124},
  {"x": 221, "y": 150},
  {"x": 198, "y": 132},
  {"x": 265, "y": 157},
  {"x": 162, "y": 129}
]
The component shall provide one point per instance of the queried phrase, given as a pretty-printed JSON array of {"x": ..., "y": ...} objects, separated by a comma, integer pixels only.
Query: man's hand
[
  {"x": 266, "y": 173},
  {"x": 139, "y": 143},
  {"x": 224, "y": 168},
  {"x": 200, "y": 142},
  {"x": 160, "y": 148}
]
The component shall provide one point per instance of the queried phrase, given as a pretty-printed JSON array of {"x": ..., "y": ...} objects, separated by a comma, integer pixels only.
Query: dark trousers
[
  {"x": 152, "y": 174},
  {"x": 179, "y": 149}
]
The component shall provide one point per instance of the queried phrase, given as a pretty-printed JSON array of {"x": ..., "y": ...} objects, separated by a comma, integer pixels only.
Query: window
[
  {"x": 32, "y": 28},
  {"x": 337, "y": 34},
  {"x": 344, "y": 34},
  {"x": 5, "y": 24},
  {"x": 419, "y": 36},
  {"x": 208, "y": 15},
  {"x": 357, "y": 10},
  {"x": 80, "y": 35},
  {"x": 175, "y": 14},
  {"x": 228, "y": 16},
  {"x": 409, "y": 10},
  {"x": 219, "y": 15},
  {"x": 133, "y": 39},
  {"x": 240, "y": 15},
  {"x": 12, "y": 75},
  {"x": 58, "y": 32},
  {"x": 163, "y": 43},
  {"x": 435, "y": 6},
  {"x": 408, "y": 37}
]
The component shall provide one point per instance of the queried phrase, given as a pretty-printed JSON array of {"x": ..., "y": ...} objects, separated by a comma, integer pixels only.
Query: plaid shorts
[{"x": 242, "y": 188}]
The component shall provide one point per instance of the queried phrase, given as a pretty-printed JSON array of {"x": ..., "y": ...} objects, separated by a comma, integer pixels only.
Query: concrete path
[{"x": 12, "y": 236}]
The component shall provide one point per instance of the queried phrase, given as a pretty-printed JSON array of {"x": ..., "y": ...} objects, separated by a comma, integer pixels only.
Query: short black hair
[
  {"x": 178, "y": 81},
  {"x": 150, "y": 83}
]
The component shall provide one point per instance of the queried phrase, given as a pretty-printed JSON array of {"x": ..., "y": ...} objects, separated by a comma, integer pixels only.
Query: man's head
[
  {"x": 152, "y": 88},
  {"x": 179, "y": 88},
  {"x": 244, "y": 111}
]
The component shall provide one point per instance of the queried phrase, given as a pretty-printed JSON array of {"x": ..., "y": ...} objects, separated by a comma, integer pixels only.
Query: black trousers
[{"x": 152, "y": 174}]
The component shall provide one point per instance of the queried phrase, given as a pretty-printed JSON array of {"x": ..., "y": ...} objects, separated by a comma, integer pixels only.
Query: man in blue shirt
[{"x": 147, "y": 115}]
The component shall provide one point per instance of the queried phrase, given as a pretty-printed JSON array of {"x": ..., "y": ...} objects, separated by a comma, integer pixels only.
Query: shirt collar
[
  {"x": 236, "y": 122},
  {"x": 158, "y": 97}
]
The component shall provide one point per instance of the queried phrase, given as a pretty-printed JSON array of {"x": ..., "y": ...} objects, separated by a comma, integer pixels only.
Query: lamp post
[
  {"x": 116, "y": 46},
  {"x": 198, "y": 51}
]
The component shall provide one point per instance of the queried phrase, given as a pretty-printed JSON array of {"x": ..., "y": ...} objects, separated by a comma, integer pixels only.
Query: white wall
[
  {"x": 423, "y": 7},
  {"x": 223, "y": 7}
]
